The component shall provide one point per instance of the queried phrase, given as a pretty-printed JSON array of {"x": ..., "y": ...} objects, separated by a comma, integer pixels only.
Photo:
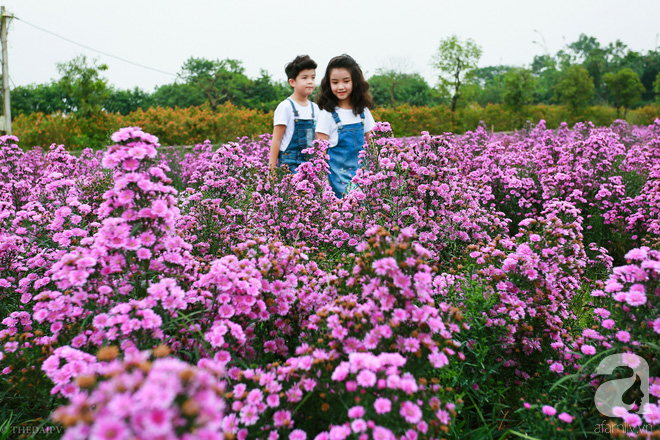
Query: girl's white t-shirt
[
  {"x": 284, "y": 116},
  {"x": 327, "y": 125}
]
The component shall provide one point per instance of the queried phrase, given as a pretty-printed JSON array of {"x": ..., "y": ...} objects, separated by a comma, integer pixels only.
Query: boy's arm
[
  {"x": 278, "y": 134},
  {"x": 321, "y": 136}
]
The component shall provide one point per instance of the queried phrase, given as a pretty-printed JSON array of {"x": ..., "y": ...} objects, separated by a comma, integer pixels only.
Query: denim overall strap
[
  {"x": 335, "y": 116},
  {"x": 295, "y": 111},
  {"x": 344, "y": 156},
  {"x": 303, "y": 136}
]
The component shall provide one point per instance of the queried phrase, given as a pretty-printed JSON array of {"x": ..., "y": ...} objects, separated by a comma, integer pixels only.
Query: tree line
[{"x": 581, "y": 74}]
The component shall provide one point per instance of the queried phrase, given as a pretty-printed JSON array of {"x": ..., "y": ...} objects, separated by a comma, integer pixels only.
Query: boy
[{"x": 295, "y": 117}]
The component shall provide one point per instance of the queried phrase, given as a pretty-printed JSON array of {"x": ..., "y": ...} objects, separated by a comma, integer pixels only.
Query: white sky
[{"x": 267, "y": 34}]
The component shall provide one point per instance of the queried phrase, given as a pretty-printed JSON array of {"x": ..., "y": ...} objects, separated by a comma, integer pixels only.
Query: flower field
[{"x": 468, "y": 287}]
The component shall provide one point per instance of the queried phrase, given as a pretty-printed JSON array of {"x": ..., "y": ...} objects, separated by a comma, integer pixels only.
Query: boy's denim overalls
[
  {"x": 344, "y": 156},
  {"x": 303, "y": 136}
]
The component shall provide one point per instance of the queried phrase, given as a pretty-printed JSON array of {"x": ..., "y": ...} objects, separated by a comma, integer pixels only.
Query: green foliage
[
  {"x": 486, "y": 85},
  {"x": 220, "y": 81},
  {"x": 127, "y": 101},
  {"x": 266, "y": 94},
  {"x": 455, "y": 60},
  {"x": 85, "y": 89},
  {"x": 178, "y": 95},
  {"x": 545, "y": 69},
  {"x": 656, "y": 87},
  {"x": 518, "y": 89},
  {"x": 390, "y": 88},
  {"x": 576, "y": 88},
  {"x": 646, "y": 66},
  {"x": 624, "y": 89},
  {"x": 596, "y": 59},
  {"x": 44, "y": 98}
]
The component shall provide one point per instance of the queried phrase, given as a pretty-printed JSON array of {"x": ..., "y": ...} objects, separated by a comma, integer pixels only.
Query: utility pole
[{"x": 5, "y": 122}]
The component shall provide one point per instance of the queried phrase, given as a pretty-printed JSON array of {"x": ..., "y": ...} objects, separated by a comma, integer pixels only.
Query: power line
[{"x": 94, "y": 50}]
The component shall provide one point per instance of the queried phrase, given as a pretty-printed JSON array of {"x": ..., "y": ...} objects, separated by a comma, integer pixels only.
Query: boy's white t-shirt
[
  {"x": 284, "y": 116},
  {"x": 327, "y": 125}
]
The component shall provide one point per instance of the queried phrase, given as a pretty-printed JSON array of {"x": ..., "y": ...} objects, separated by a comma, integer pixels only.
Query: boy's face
[{"x": 305, "y": 82}]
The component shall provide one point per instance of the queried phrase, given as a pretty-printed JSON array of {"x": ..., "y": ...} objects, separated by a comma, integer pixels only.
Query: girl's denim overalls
[
  {"x": 344, "y": 156},
  {"x": 303, "y": 136}
]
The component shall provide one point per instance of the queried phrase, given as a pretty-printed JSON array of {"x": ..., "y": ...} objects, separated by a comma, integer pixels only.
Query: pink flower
[
  {"x": 557, "y": 367},
  {"x": 358, "y": 425},
  {"x": 339, "y": 432},
  {"x": 652, "y": 413},
  {"x": 549, "y": 410},
  {"x": 619, "y": 411},
  {"x": 631, "y": 360},
  {"x": 443, "y": 416},
  {"x": 636, "y": 296},
  {"x": 109, "y": 429},
  {"x": 366, "y": 378},
  {"x": 298, "y": 434},
  {"x": 608, "y": 323},
  {"x": 603, "y": 313},
  {"x": 438, "y": 359},
  {"x": 633, "y": 420},
  {"x": 143, "y": 254},
  {"x": 380, "y": 433},
  {"x": 282, "y": 418},
  {"x": 623, "y": 336},
  {"x": 565, "y": 417},
  {"x": 656, "y": 325},
  {"x": 588, "y": 349},
  {"x": 410, "y": 412},
  {"x": 382, "y": 405},
  {"x": 130, "y": 164},
  {"x": 356, "y": 412}
]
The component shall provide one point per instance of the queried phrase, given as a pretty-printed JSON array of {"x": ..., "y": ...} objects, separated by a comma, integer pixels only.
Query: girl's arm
[
  {"x": 321, "y": 136},
  {"x": 278, "y": 134}
]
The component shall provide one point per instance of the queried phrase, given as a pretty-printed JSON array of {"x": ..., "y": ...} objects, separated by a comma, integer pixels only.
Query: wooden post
[{"x": 5, "y": 72}]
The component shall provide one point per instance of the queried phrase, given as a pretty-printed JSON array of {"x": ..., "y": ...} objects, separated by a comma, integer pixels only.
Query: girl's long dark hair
[{"x": 360, "y": 96}]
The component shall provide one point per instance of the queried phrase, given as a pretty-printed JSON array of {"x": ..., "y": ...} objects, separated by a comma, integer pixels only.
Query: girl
[{"x": 345, "y": 118}]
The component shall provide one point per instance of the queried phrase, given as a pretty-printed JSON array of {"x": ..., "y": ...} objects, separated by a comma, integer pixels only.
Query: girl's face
[{"x": 341, "y": 85}]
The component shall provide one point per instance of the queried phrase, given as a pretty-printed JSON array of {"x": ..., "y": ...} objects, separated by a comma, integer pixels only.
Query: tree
[
  {"x": 455, "y": 59},
  {"x": 486, "y": 85},
  {"x": 518, "y": 89},
  {"x": 43, "y": 98},
  {"x": 390, "y": 88},
  {"x": 265, "y": 94},
  {"x": 646, "y": 66},
  {"x": 544, "y": 68},
  {"x": 86, "y": 91},
  {"x": 127, "y": 101},
  {"x": 624, "y": 88},
  {"x": 576, "y": 88},
  {"x": 597, "y": 59},
  {"x": 178, "y": 95},
  {"x": 656, "y": 88},
  {"x": 219, "y": 80}
]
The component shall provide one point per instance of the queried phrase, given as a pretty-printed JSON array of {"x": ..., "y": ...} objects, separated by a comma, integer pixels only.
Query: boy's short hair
[{"x": 300, "y": 63}]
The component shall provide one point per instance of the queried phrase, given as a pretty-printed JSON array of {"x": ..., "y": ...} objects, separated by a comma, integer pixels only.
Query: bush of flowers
[{"x": 466, "y": 287}]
